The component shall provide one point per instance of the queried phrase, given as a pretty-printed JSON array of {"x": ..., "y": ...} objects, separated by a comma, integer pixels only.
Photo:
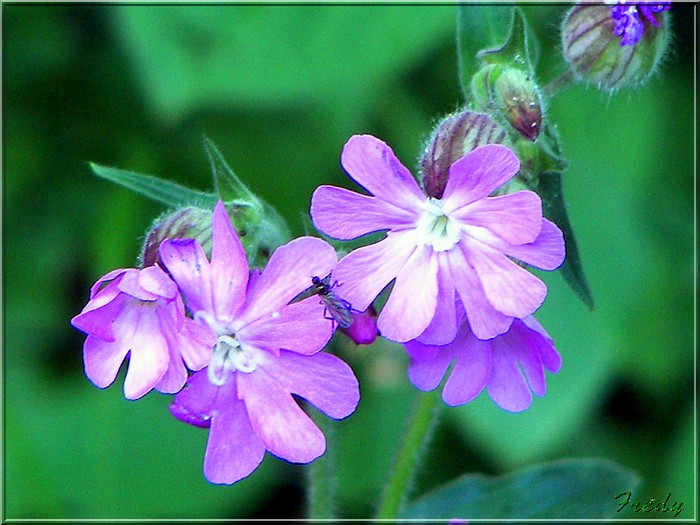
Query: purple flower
[
  {"x": 265, "y": 350},
  {"x": 462, "y": 242},
  {"x": 511, "y": 366},
  {"x": 140, "y": 313},
  {"x": 629, "y": 25}
]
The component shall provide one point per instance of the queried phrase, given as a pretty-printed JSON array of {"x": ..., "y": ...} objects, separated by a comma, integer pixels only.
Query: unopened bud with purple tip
[{"x": 615, "y": 46}]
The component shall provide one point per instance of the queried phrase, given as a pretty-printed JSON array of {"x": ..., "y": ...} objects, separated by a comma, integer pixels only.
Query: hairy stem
[{"x": 408, "y": 460}]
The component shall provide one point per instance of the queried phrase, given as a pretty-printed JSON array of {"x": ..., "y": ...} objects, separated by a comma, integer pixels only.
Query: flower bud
[
  {"x": 613, "y": 46},
  {"x": 513, "y": 94},
  {"x": 190, "y": 222},
  {"x": 363, "y": 329},
  {"x": 454, "y": 137}
]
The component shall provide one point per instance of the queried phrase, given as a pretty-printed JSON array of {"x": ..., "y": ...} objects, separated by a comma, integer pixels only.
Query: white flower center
[
  {"x": 230, "y": 354},
  {"x": 435, "y": 228}
]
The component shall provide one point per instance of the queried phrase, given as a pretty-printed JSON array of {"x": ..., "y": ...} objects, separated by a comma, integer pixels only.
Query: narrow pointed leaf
[
  {"x": 549, "y": 187},
  {"x": 582, "y": 489},
  {"x": 226, "y": 184},
  {"x": 164, "y": 191}
]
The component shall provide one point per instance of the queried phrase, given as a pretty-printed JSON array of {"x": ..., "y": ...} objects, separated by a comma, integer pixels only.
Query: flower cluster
[
  {"x": 234, "y": 345},
  {"x": 249, "y": 349}
]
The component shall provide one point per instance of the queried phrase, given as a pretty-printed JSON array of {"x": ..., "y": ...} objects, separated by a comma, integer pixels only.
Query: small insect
[{"x": 335, "y": 308}]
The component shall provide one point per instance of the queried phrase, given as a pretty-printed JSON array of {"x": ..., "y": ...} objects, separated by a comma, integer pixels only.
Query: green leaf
[
  {"x": 479, "y": 27},
  {"x": 285, "y": 57},
  {"x": 517, "y": 49},
  {"x": 226, "y": 184},
  {"x": 164, "y": 191},
  {"x": 549, "y": 187},
  {"x": 567, "y": 489}
]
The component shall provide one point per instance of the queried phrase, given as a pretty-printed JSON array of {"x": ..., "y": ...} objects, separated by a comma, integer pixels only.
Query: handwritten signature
[{"x": 651, "y": 505}]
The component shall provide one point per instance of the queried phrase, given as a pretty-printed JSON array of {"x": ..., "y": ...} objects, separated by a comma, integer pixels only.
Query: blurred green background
[{"x": 280, "y": 89}]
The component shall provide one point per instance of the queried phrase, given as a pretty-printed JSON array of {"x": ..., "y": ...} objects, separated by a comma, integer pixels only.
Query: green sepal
[
  {"x": 166, "y": 192},
  {"x": 479, "y": 27},
  {"x": 491, "y": 35},
  {"x": 518, "y": 49},
  {"x": 260, "y": 227}
]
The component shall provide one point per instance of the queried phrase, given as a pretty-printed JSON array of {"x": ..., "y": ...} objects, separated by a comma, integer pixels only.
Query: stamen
[
  {"x": 230, "y": 356},
  {"x": 437, "y": 229}
]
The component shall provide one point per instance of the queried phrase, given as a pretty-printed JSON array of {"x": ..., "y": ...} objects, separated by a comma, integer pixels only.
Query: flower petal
[
  {"x": 512, "y": 290},
  {"x": 374, "y": 166},
  {"x": 478, "y": 173},
  {"x": 443, "y": 327},
  {"x": 545, "y": 345},
  {"x": 412, "y": 302},
  {"x": 345, "y": 214},
  {"x": 277, "y": 419},
  {"x": 229, "y": 266},
  {"x": 471, "y": 371},
  {"x": 323, "y": 379},
  {"x": 546, "y": 252},
  {"x": 507, "y": 386},
  {"x": 175, "y": 375},
  {"x": 156, "y": 282},
  {"x": 188, "y": 264},
  {"x": 98, "y": 322},
  {"x": 195, "y": 344},
  {"x": 364, "y": 272},
  {"x": 484, "y": 320},
  {"x": 102, "y": 360},
  {"x": 300, "y": 327},
  {"x": 113, "y": 276},
  {"x": 515, "y": 217},
  {"x": 234, "y": 451},
  {"x": 523, "y": 344},
  {"x": 428, "y": 363},
  {"x": 196, "y": 403},
  {"x": 288, "y": 273},
  {"x": 148, "y": 358}
]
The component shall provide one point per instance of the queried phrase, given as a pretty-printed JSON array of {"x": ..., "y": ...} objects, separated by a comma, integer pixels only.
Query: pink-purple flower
[
  {"x": 629, "y": 25},
  {"x": 511, "y": 366},
  {"x": 140, "y": 314},
  {"x": 266, "y": 350},
  {"x": 463, "y": 244}
]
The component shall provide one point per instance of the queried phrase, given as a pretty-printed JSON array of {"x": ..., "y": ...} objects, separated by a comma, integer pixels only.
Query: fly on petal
[{"x": 336, "y": 309}]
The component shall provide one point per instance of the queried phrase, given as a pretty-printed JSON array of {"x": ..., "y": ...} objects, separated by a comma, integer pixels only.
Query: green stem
[
  {"x": 415, "y": 443},
  {"x": 559, "y": 83},
  {"x": 322, "y": 475}
]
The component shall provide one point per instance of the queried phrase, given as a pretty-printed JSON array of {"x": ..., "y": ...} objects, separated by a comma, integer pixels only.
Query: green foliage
[
  {"x": 279, "y": 91},
  {"x": 566, "y": 489}
]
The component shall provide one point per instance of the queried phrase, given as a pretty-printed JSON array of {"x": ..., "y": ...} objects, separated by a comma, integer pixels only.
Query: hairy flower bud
[
  {"x": 612, "y": 46},
  {"x": 512, "y": 93},
  {"x": 190, "y": 222},
  {"x": 455, "y": 136}
]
